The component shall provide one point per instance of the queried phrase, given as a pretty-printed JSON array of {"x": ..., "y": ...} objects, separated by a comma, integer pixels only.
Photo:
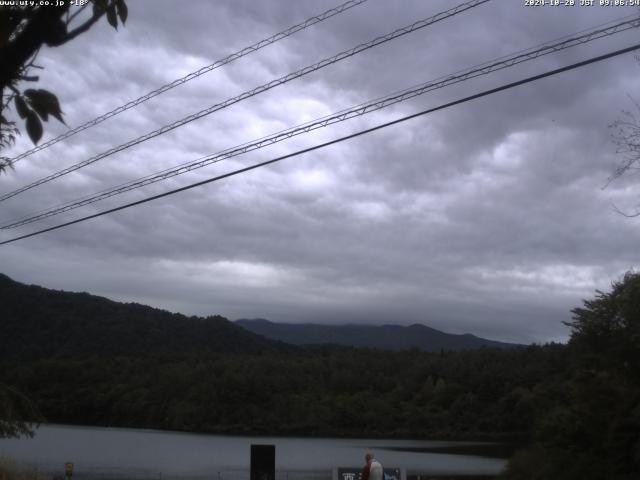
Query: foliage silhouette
[{"x": 25, "y": 28}]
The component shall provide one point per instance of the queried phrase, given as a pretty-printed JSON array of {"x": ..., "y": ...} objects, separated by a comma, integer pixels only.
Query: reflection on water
[{"x": 165, "y": 454}]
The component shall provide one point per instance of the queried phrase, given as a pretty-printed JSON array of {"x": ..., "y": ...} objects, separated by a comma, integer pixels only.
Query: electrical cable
[
  {"x": 250, "y": 93},
  {"x": 218, "y": 63},
  {"x": 337, "y": 140},
  {"x": 362, "y": 109}
]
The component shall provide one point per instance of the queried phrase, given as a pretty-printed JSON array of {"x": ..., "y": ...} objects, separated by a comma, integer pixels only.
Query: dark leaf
[
  {"x": 40, "y": 109},
  {"x": 123, "y": 10},
  {"x": 34, "y": 127},
  {"x": 6, "y": 27},
  {"x": 111, "y": 16},
  {"x": 5, "y": 163},
  {"x": 99, "y": 6},
  {"x": 45, "y": 103},
  {"x": 55, "y": 33},
  {"x": 21, "y": 106},
  {"x": 44, "y": 115}
]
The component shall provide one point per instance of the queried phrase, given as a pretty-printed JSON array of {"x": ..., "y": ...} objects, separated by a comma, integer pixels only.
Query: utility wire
[
  {"x": 337, "y": 140},
  {"x": 250, "y": 93},
  {"x": 362, "y": 109},
  {"x": 218, "y": 63}
]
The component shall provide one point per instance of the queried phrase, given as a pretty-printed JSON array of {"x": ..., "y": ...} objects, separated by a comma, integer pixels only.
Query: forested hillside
[
  {"x": 42, "y": 323},
  {"x": 577, "y": 406}
]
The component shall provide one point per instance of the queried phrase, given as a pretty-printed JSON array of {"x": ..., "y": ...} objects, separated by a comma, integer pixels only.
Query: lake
[{"x": 167, "y": 454}]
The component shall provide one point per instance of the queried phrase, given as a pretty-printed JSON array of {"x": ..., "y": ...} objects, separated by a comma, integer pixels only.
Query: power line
[
  {"x": 217, "y": 64},
  {"x": 337, "y": 140},
  {"x": 262, "y": 88},
  {"x": 485, "y": 68},
  {"x": 362, "y": 109}
]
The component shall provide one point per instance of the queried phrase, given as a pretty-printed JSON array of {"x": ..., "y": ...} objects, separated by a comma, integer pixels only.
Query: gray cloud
[{"x": 488, "y": 217}]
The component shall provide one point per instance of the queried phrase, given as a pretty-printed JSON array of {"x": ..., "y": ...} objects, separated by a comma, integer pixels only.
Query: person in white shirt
[{"x": 373, "y": 469}]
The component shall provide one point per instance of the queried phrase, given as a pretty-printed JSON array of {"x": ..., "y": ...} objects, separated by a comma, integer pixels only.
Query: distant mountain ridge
[
  {"x": 37, "y": 322},
  {"x": 388, "y": 337}
]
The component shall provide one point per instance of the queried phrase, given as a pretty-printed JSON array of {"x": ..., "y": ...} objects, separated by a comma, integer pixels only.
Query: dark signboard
[
  {"x": 263, "y": 462},
  {"x": 354, "y": 473}
]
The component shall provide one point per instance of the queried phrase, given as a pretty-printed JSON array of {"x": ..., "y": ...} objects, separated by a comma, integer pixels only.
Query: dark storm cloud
[{"x": 487, "y": 217}]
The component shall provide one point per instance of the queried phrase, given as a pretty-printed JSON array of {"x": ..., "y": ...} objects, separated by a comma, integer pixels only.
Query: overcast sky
[{"x": 488, "y": 217}]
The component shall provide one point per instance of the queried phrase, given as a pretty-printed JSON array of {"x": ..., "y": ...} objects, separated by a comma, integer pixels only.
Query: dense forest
[
  {"x": 575, "y": 406},
  {"x": 324, "y": 391}
]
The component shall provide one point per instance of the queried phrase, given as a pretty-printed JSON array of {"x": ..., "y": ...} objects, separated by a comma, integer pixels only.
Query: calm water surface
[{"x": 172, "y": 453}]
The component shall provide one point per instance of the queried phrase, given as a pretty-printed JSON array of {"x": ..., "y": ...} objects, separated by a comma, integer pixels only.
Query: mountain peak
[{"x": 387, "y": 336}]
